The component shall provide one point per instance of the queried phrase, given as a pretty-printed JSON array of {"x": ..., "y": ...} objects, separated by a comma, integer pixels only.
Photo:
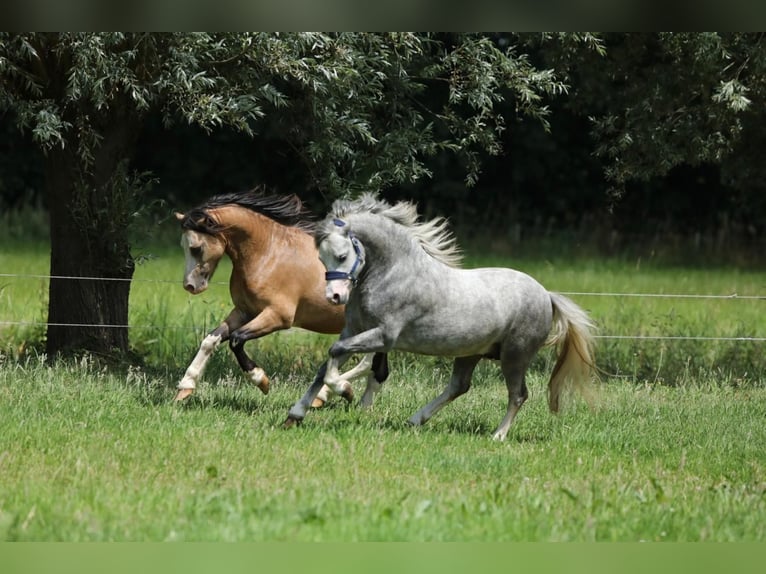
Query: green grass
[
  {"x": 23, "y": 299},
  {"x": 93, "y": 455},
  {"x": 673, "y": 449}
]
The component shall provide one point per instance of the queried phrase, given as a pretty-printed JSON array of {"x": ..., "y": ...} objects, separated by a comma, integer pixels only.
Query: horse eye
[
  {"x": 342, "y": 258},
  {"x": 195, "y": 251}
]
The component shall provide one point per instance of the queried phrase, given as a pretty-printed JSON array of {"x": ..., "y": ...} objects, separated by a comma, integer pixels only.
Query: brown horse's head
[
  {"x": 218, "y": 224},
  {"x": 202, "y": 251}
]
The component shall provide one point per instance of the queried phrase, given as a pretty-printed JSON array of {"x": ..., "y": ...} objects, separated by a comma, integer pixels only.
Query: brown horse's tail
[{"x": 572, "y": 332}]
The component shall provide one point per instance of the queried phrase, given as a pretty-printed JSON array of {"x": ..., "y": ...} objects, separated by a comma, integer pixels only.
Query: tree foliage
[
  {"x": 657, "y": 101},
  {"x": 353, "y": 105},
  {"x": 361, "y": 111}
]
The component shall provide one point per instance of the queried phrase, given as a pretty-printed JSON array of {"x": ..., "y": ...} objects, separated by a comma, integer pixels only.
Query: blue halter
[{"x": 351, "y": 275}]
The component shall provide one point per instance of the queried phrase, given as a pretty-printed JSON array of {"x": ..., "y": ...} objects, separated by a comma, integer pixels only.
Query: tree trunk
[{"x": 89, "y": 216}]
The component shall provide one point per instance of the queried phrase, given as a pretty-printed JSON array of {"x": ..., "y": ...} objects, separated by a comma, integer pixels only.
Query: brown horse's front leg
[{"x": 197, "y": 367}]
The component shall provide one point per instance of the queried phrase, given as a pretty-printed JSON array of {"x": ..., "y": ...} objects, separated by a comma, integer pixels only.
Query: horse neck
[
  {"x": 247, "y": 234},
  {"x": 388, "y": 245}
]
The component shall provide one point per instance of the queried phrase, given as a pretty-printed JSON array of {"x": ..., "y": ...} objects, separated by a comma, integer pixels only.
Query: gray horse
[{"x": 402, "y": 287}]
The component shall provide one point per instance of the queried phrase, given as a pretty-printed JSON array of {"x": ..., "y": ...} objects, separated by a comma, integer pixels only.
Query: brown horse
[{"x": 277, "y": 280}]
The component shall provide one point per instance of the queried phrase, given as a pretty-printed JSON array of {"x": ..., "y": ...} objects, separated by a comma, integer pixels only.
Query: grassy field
[
  {"x": 92, "y": 455},
  {"x": 672, "y": 450}
]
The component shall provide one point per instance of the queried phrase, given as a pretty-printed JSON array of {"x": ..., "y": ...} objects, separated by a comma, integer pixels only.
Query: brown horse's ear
[{"x": 179, "y": 216}]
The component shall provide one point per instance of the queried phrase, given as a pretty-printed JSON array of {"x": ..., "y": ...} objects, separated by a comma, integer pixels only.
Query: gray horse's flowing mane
[{"x": 434, "y": 236}]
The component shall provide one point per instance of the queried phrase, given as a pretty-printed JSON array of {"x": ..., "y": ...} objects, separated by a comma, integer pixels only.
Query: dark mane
[{"x": 284, "y": 209}]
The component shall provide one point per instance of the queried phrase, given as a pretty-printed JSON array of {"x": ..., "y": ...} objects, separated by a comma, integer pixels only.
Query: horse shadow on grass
[
  {"x": 482, "y": 430},
  {"x": 154, "y": 388},
  {"x": 341, "y": 418},
  {"x": 238, "y": 401}
]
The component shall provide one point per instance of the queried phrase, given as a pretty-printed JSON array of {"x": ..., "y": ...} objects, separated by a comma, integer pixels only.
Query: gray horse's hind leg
[
  {"x": 514, "y": 373},
  {"x": 459, "y": 384}
]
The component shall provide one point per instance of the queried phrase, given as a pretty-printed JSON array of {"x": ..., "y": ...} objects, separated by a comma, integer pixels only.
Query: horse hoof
[
  {"x": 182, "y": 394},
  {"x": 348, "y": 394},
  {"x": 317, "y": 403},
  {"x": 258, "y": 376},
  {"x": 290, "y": 422}
]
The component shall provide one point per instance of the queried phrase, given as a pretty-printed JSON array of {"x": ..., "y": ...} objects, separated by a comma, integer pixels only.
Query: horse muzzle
[
  {"x": 338, "y": 291},
  {"x": 195, "y": 288}
]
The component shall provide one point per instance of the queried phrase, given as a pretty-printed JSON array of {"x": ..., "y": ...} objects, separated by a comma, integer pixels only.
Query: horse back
[{"x": 458, "y": 312}]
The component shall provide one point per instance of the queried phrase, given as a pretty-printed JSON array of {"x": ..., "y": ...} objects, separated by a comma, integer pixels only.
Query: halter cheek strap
[{"x": 353, "y": 274}]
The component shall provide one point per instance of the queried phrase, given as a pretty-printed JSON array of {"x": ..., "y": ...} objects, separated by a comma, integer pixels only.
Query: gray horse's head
[
  {"x": 343, "y": 256},
  {"x": 377, "y": 222}
]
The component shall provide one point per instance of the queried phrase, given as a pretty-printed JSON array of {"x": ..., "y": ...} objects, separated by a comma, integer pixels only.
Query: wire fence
[
  {"x": 568, "y": 293},
  {"x": 731, "y": 297}
]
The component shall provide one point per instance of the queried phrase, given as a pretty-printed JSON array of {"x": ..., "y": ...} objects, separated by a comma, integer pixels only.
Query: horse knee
[
  {"x": 210, "y": 343},
  {"x": 236, "y": 341},
  {"x": 457, "y": 387},
  {"x": 465, "y": 386}
]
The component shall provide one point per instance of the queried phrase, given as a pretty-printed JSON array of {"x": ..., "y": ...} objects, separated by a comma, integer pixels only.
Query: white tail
[{"x": 572, "y": 332}]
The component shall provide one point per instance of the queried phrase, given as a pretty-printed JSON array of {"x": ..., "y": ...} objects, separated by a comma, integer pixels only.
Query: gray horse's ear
[{"x": 179, "y": 216}]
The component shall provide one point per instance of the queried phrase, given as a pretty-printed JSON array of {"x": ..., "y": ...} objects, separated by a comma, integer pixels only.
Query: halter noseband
[{"x": 353, "y": 274}]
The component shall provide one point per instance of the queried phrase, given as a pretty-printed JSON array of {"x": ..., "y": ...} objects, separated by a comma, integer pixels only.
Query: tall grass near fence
[
  {"x": 649, "y": 334},
  {"x": 644, "y": 338}
]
